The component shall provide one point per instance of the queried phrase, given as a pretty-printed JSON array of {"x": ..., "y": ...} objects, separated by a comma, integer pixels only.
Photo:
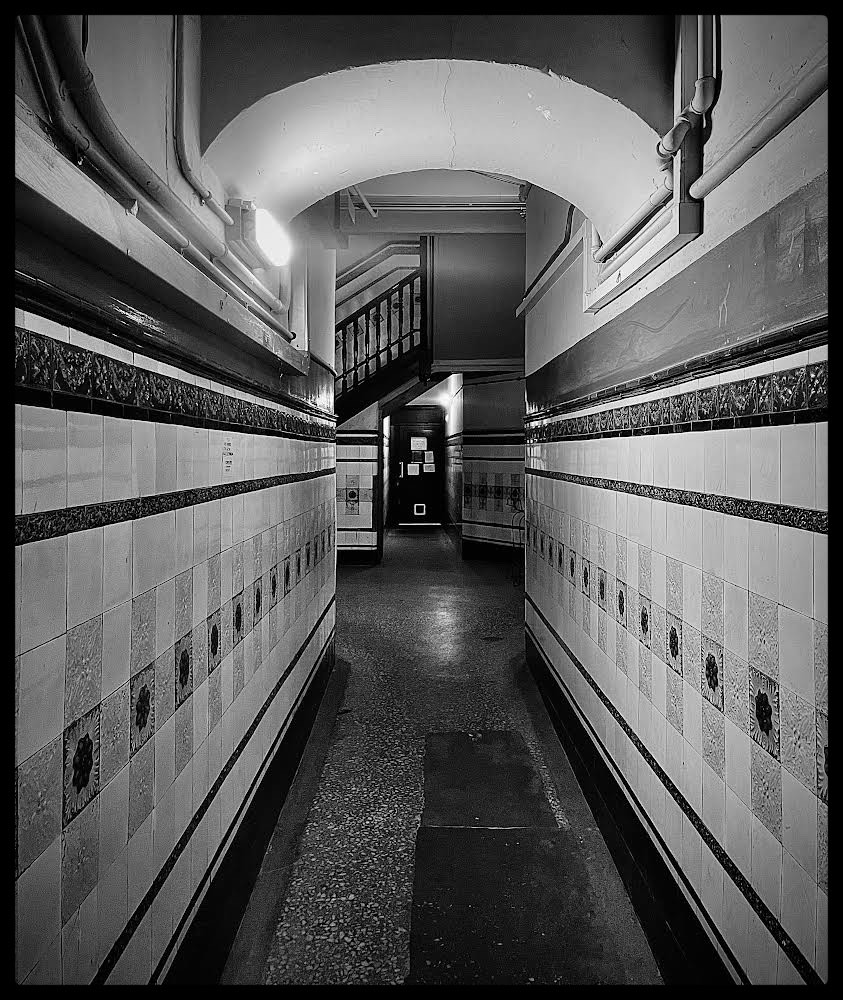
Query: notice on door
[
  {"x": 227, "y": 457},
  {"x": 418, "y": 444},
  {"x": 429, "y": 467},
  {"x": 428, "y": 456},
  {"x": 412, "y": 468}
]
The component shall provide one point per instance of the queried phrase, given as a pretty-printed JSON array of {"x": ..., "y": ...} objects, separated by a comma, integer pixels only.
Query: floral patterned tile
[
  {"x": 226, "y": 629},
  {"x": 183, "y": 665},
  {"x": 620, "y": 558},
  {"x": 39, "y": 800},
  {"x": 798, "y": 737},
  {"x": 712, "y": 607},
  {"x": 237, "y": 619},
  {"x": 766, "y": 782},
  {"x": 711, "y": 671},
  {"x": 645, "y": 620},
  {"x": 601, "y": 548},
  {"x": 822, "y": 845},
  {"x": 620, "y": 653},
  {"x": 659, "y": 633},
  {"x": 273, "y": 586},
  {"x": 822, "y": 756},
  {"x": 673, "y": 642},
  {"x": 621, "y": 602},
  {"x": 114, "y": 734},
  {"x": 691, "y": 647},
  {"x": 714, "y": 739},
  {"x": 821, "y": 666},
  {"x": 585, "y": 538},
  {"x": 184, "y": 603},
  {"x": 674, "y": 703},
  {"x": 248, "y": 608},
  {"x": 673, "y": 570},
  {"x": 586, "y": 577},
  {"x": 81, "y": 763},
  {"x": 214, "y": 586},
  {"x": 257, "y": 647},
  {"x": 79, "y": 859},
  {"x": 764, "y": 711},
  {"x": 735, "y": 685},
  {"x": 602, "y": 588},
  {"x": 288, "y": 578},
  {"x": 645, "y": 671},
  {"x": 214, "y": 641},
  {"x": 142, "y": 705},
  {"x": 237, "y": 567},
  {"x": 645, "y": 563},
  {"x": 764, "y": 635},
  {"x": 586, "y": 615},
  {"x": 83, "y": 669}
]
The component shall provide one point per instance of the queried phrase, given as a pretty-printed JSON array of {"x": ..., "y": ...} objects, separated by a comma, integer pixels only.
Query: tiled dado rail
[
  {"x": 162, "y": 644},
  {"x": 690, "y": 630},
  {"x": 493, "y": 486},
  {"x": 358, "y": 492}
]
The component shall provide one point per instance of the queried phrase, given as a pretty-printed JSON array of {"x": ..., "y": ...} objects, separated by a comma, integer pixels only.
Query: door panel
[{"x": 420, "y": 483}]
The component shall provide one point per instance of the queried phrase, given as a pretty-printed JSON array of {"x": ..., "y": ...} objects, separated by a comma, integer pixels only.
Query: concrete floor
[{"x": 435, "y": 645}]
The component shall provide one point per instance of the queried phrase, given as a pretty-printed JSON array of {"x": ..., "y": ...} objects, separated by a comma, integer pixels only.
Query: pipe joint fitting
[{"x": 703, "y": 97}]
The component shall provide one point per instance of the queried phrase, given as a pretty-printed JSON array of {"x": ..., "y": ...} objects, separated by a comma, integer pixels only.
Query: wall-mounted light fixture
[{"x": 255, "y": 236}]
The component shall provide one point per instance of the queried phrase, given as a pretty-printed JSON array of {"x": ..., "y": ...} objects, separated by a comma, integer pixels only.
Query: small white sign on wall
[
  {"x": 418, "y": 443},
  {"x": 227, "y": 458}
]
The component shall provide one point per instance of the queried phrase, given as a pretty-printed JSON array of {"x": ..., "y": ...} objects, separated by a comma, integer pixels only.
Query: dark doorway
[{"x": 417, "y": 459}]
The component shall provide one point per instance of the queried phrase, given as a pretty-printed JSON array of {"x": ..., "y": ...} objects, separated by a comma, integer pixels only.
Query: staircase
[{"x": 383, "y": 342}]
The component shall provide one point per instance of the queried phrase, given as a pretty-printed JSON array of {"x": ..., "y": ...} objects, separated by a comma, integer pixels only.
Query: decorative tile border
[
  {"x": 788, "y": 945},
  {"x": 143, "y": 907},
  {"x": 64, "y": 521},
  {"x": 784, "y": 397},
  {"x": 63, "y": 376},
  {"x": 754, "y": 510}
]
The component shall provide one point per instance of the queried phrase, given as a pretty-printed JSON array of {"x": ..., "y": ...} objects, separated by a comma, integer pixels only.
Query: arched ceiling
[
  {"x": 298, "y": 145},
  {"x": 628, "y": 57}
]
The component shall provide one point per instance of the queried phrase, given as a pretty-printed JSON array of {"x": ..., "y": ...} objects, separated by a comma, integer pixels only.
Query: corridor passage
[{"x": 441, "y": 725}]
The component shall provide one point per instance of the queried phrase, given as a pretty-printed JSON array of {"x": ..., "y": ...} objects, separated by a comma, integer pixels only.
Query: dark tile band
[
  {"x": 754, "y": 510},
  {"x": 143, "y": 907},
  {"x": 62, "y": 376},
  {"x": 786, "y": 397},
  {"x": 788, "y": 945},
  {"x": 66, "y": 520}
]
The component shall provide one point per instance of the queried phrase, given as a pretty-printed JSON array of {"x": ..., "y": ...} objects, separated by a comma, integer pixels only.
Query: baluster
[
  {"x": 356, "y": 339},
  {"x": 367, "y": 349},
  {"x": 388, "y": 324},
  {"x": 412, "y": 313},
  {"x": 401, "y": 312},
  {"x": 345, "y": 358}
]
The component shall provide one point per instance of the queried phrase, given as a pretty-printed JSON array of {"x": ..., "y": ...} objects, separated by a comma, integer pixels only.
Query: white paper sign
[
  {"x": 428, "y": 456},
  {"x": 412, "y": 468},
  {"x": 227, "y": 457},
  {"x": 429, "y": 467},
  {"x": 418, "y": 444}
]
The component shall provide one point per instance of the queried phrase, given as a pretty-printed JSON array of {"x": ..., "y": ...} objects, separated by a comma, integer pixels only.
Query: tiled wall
[
  {"x": 357, "y": 494},
  {"x": 453, "y": 478},
  {"x": 174, "y": 570},
  {"x": 493, "y": 487},
  {"x": 677, "y": 586}
]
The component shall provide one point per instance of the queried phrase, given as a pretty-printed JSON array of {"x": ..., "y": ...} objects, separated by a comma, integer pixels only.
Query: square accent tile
[
  {"x": 645, "y": 671},
  {"x": 601, "y": 629},
  {"x": 822, "y": 845},
  {"x": 288, "y": 579},
  {"x": 184, "y": 602},
  {"x": 226, "y": 629},
  {"x": 673, "y": 642},
  {"x": 691, "y": 649},
  {"x": 659, "y": 631},
  {"x": 214, "y": 585},
  {"x": 822, "y": 756},
  {"x": 142, "y": 706},
  {"x": 184, "y": 736},
  {"x": 214, "y": 699},
  {"x": 273, "y": 586},
  {"x": 81, "y": 760},
  {"x": 821, "y": 666},
  {"x": 620, "y": 653},
  {"x": 586, "y": 577},
  {"x": 714, "y": 739},
  {"x": 199, "y": 638},
  {"x": 114, "y": 734},
  {"x": 83, "y": 669},
  {"x": 735, "y": 685},
  {"x": 712, "y": 607},
  {"x": 248, "y": 608},
  {"x": 674, "y": 703},
  {"x": 645, "y": 563},
  {"x": 798, "y": 737},
  {"x": 141, "y": 786},
  {"x": 39, "y": 802},
  {"x": 601, "y": 548},
  {"x": 766, "y": 779},
  {"x": 645, "y": 620},
  {"x": 79, "y": 859},
  {"x": 165, "y": 683},
  {"x": 238, "y": 669},
  {"x": 144, "y": 624},
  {"x": 586, "y": 615},
  {"x": 764, "y": 711},
  {"x": 183, "y": 667},
  {"x": 711, "y": 671},
  {"x": 764, "y": 635},
  {"x": 673, "y": 573},
  {"x": 573, "y": 559},
  {"x": 258, "y": 601},
  {"x": 602, "y": 592},
  {"x": 620, "y": 558}
]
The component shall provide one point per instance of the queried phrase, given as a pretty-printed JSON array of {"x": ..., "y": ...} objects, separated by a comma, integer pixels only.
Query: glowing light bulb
[{"x": 272, "y": 239}]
